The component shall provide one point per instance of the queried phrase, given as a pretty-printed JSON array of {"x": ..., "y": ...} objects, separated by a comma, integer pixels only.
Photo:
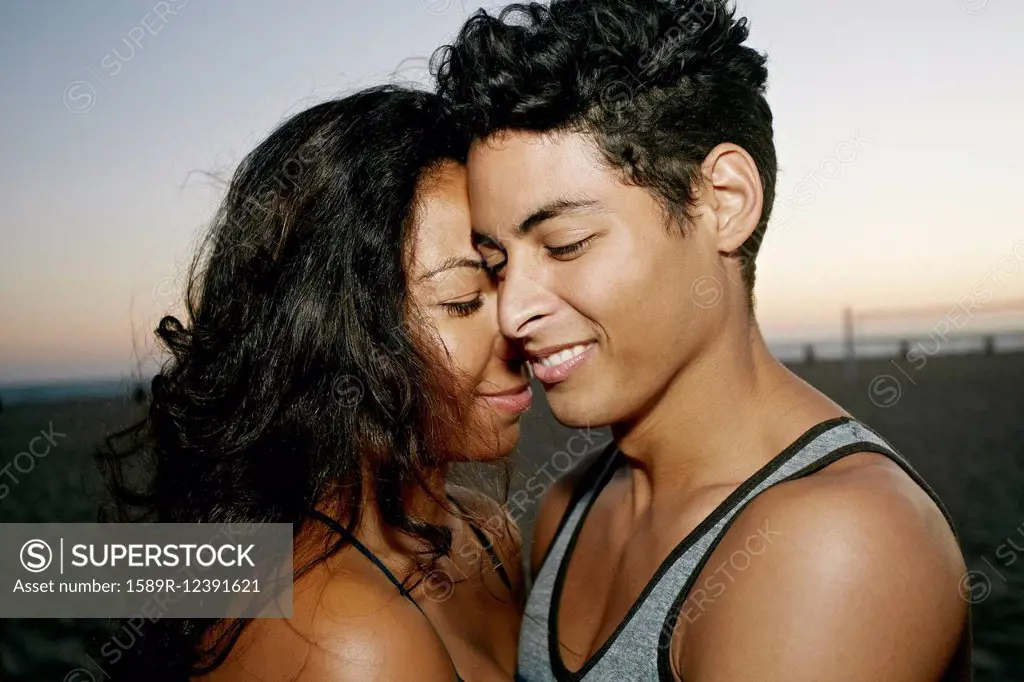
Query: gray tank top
[{"x": 638, "y": 649}]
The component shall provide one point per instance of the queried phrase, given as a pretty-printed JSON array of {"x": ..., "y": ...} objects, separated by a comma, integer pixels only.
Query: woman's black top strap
[
  {"x": 352, "y": 540},
  {"x": 496, "y": 562},
  {"x": 495, "y": 559}
]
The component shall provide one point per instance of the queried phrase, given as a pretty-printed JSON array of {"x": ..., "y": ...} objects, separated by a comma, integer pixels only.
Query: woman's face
[{"x": 455, "y": 296}]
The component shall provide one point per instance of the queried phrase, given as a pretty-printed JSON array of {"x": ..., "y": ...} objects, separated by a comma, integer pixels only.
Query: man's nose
[{"x": 522, "y": 301}]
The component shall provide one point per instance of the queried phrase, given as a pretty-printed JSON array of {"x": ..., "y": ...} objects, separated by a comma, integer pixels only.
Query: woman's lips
[
  {"x": 514, "y": 402},
  {"x": 553, "y": 375}
]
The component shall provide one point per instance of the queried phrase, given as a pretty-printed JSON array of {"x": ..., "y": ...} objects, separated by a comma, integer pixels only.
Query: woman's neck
[{"x": 425, "y": 503}]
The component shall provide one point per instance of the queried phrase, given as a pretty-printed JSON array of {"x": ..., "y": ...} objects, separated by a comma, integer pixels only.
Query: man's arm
[{"x": 851, "y": 577}]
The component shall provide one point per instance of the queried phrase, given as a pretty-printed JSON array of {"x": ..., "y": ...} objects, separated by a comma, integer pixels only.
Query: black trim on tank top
[
  {"x": 671, "y": 620},
  {"x": 605, "y": 471},
  {"x": 668, "y": 626},
  {"x": 967, "y": 637},
  {"x": 595, "y": 470},
  {"x": 562, "y": 673},
  {"x": 908, "y": 468}
]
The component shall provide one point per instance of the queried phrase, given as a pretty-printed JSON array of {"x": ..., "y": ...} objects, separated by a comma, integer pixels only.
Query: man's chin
[{"x": 578, "y": 413}]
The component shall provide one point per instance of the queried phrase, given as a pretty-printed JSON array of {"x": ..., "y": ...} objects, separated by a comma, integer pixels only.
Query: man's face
[{"x": 607, "y": 298}]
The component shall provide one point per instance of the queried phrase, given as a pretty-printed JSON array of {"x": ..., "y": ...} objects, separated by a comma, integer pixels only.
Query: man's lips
[
  {"x": 555, "y": 363},
  {"x": 514, "y": 400}
]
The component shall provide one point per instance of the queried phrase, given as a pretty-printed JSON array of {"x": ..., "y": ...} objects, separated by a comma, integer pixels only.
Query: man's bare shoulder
[
  {"x": 854, "y": 570},
  {"x": 859, "y": 491},
  {"x": 555, "y": 502},
  {"x": 348, "y": 624}
]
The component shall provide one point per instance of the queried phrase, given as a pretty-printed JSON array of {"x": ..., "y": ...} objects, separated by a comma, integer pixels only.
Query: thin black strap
[
  {"x": 352, "y": 540},
  {"x": 496, "y": 561}
]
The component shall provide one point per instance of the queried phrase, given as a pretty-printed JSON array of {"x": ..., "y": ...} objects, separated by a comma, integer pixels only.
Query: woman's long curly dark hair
[{"x": 296, "y": 377}]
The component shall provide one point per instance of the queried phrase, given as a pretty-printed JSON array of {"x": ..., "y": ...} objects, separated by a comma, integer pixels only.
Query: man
[{"x": 744, "y": 526}]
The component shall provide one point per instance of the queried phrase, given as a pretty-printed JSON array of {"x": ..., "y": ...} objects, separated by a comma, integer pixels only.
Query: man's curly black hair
[{"x": 657, "y": 84}]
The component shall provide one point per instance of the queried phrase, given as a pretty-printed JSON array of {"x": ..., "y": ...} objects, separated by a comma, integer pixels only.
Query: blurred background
[{"x": 891, "y": 276}]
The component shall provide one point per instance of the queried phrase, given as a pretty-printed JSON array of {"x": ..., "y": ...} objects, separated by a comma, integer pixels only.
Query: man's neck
[{"x": 719, "y": 419}]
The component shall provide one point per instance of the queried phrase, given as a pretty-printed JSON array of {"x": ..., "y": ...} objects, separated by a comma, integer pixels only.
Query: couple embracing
[{"x": 577, "y": 207}]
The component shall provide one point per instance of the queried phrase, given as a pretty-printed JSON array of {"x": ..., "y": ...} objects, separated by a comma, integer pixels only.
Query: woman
[{"x": 341, "y": 351}]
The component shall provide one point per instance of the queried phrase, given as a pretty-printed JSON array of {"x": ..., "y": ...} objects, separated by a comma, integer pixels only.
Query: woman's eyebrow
[{"x": 450, "y": 264}]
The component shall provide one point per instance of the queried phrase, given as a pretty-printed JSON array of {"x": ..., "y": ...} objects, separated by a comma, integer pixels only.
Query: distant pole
[
  {"x": 851, "y": 357},
  {"x": 809, "y": 357}
]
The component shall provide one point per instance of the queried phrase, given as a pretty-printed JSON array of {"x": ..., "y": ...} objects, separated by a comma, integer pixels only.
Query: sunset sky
[{"x": 898, "y": 128}]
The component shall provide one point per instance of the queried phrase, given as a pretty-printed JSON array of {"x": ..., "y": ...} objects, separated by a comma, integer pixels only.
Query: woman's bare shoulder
[{"x": 348, "y": 624}]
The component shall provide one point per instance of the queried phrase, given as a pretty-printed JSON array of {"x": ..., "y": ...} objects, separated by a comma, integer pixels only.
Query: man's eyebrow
[
  {"x": 552, "y": 209},
  {"x": 452, "y": 263},
  {"x": 556, "y": 208}
]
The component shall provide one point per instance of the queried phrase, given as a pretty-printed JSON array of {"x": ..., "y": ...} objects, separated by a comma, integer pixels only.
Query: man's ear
[{"x": 732, "y": 194}]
